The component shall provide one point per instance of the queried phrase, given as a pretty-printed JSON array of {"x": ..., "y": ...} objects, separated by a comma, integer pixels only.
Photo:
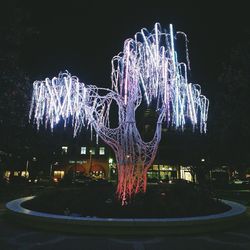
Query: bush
[{"x": 98, "y": 199}]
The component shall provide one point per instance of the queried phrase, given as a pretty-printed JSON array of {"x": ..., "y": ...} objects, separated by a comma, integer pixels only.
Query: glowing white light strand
[{"x": 148, "y": 67}]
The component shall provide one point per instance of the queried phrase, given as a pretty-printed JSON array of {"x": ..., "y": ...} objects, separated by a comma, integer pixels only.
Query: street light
[
  {"x": 90, "y": 159},
  {"x": 110, "y": 166},
  {"x": 26, "y": 169}
]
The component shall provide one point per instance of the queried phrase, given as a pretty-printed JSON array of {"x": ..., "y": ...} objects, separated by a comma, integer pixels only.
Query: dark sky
[{"x": 83, "y": 36}]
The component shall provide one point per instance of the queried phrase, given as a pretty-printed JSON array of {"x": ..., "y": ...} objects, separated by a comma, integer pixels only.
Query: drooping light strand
[{"x": 147, "y": 68}]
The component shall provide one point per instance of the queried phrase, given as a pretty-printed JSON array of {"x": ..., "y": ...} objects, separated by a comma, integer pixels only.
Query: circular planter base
[{"x": 131, "y": 226}]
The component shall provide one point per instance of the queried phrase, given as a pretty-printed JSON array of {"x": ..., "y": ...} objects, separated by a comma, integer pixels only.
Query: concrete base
[{"x": 120, "y": 226}]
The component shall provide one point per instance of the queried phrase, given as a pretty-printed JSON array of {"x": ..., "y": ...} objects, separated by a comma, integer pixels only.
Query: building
[
  {"x": 92, "y": 159},
  {"x": 95, "y": 159}
]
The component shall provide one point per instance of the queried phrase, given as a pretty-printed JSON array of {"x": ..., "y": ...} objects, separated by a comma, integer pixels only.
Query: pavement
[{"x": 15, "y": 237}]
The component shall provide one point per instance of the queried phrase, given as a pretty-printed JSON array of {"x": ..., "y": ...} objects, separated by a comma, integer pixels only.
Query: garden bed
[{"x": 166, "y": 201}]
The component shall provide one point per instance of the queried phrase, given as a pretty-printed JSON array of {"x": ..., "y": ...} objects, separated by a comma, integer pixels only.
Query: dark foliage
[
  {"x": 232, "y": 107},
  {"x": 178, "y": 200}
]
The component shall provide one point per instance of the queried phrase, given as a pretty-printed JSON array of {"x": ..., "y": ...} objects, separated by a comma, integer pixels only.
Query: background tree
[
  {"x": 233, "y": 107},
  {"x": 14, "y": 81}
]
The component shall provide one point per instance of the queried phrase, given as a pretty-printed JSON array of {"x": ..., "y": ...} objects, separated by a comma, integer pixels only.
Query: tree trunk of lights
[
  {"x": 133, "y": 162},
  {"x": 133, "y": 156}
]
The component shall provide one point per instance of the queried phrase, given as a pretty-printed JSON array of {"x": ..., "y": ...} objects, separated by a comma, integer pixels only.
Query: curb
[{"x": 116, "y": 226}]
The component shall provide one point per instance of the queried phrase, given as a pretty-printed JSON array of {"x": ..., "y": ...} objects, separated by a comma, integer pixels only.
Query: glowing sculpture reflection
[{"x": 147, "y": 67}]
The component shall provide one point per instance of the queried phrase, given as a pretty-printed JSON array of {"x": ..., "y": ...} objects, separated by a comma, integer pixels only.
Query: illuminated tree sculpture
[{"x": 146, "y": 69}]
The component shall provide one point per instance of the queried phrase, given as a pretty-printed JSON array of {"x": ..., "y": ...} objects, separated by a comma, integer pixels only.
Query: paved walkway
[{"x": 14, "y": 237}]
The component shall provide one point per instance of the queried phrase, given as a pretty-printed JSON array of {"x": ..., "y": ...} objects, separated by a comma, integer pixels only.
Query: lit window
[
  {"x": 92, "y": 151},
  {"x": 155, "y": 167},
  {"x": 161, "y": 167},
  {"x": 64, "y": 149},
  {"x": 102, "y": 151},
  {"x": 58, "y": 174},
  {"x": 16, "y": 173},
  {"x": 7, "y": 174},
  {"x": 83, "y": 150},
  {"x": 24, "y": 174}
]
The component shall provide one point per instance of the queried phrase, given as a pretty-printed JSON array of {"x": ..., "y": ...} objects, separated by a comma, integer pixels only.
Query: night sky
[{"x": 83, "y": 36}]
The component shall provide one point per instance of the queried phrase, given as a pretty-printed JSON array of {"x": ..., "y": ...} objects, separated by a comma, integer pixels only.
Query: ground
[{"x": 13, "y": 237}]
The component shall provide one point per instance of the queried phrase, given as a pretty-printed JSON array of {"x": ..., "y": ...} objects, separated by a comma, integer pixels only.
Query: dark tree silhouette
[
  {"x": 14, "y": 81},
  {"x": 233, "y": 107}
]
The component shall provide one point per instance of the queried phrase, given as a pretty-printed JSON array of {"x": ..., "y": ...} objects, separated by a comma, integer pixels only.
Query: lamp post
[
  {"x": 50, "y": 170},
  {"x": 26, "y": 169},
  {"x": 110, "y": 167},
  {"x": 90, "y": 159}
]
